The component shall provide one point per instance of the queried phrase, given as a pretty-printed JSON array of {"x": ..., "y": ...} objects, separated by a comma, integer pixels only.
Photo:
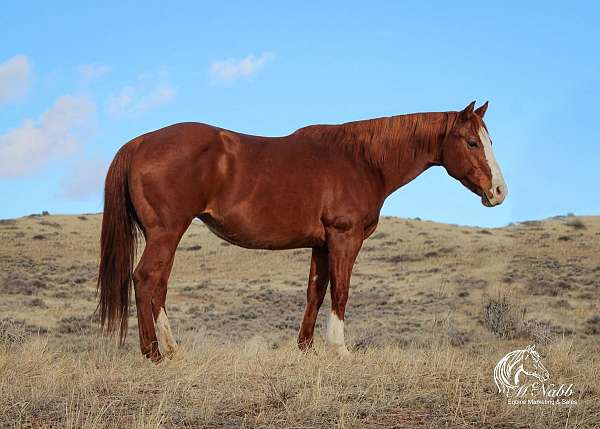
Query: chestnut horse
[{"x": 321, "y": 187}]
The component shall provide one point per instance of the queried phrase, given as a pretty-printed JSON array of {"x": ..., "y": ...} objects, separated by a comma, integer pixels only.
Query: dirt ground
[{"x": 432, "y": 308}]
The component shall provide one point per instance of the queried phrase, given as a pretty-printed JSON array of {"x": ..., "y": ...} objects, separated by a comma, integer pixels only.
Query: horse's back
[{"x": 261, "y": 192}]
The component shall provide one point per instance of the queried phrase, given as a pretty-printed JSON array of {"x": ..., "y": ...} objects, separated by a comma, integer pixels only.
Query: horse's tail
[{"x": 118, "y": 242}]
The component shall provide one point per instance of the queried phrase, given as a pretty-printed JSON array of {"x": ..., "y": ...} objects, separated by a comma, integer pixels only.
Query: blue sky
[{"x": 78, "y": 80}]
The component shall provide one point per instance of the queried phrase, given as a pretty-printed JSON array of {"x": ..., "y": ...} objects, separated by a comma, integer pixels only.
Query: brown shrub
[
  {"x": 503, "y": 316},
  {"x": 13, "y": 331},
  {"x": 37, "y": 302},
  {"x": 592, "y": 325},
  {"x": 50, "y": 224},
  {"x": 549, "y": 287},
  {"x": 576, "y": 224},
  {"x": 530, "y": 223},
  {"x": 18, "y": 282},
  {"x": 192, "y": 248},
  {"x": 396, "y": 259},
  {"x": 75, "y": 325}
]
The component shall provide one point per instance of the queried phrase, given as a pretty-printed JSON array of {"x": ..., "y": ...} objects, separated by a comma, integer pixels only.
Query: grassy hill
[{"x": 432, "y": 309}]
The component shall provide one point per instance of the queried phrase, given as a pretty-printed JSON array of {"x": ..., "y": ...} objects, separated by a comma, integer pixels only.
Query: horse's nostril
[{"x": 498, "y": 190}]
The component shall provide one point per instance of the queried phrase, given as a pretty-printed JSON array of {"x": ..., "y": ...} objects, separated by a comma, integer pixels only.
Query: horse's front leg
[
  {"x": 318, "y": 278},
  {"x": 343, "y": 249}
]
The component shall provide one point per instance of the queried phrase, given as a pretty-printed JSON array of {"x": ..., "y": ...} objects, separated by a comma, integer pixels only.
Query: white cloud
[
  {"x": 15, "y": 78},
  {"x": 85, "y": 179},
  {"x": 151, "y": 90},
  {"x": 89, "y": 72},
  {"x": 226, "y": 71},
  {"x": 57, "y": 133}
]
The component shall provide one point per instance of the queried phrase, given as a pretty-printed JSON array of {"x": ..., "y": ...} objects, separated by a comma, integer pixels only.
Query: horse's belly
[{"x": 258, "y": 234}]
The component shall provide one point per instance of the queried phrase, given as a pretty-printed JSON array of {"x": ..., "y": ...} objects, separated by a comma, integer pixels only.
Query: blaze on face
[{"x": 468, "y": 157}]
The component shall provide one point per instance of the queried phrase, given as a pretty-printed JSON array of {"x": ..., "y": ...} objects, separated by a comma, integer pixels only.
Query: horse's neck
[{"x": 400, "y": 147}]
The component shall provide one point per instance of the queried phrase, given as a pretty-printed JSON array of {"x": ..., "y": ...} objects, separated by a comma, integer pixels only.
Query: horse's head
[
  {"x": 532, "y": 364},
  {"x": 468, "y": 157}
]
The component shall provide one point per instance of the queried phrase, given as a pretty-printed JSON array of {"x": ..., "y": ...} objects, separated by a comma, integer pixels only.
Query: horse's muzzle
[{"x": 494, "y": 196}]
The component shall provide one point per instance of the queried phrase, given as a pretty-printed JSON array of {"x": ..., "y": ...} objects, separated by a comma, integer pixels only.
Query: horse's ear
[
  {"x": 466, "y": 113},
  {"x": 481, "y": 110}
]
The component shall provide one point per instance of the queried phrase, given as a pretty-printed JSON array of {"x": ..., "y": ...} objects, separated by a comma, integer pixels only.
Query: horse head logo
[{"x": 515, "y": 364}]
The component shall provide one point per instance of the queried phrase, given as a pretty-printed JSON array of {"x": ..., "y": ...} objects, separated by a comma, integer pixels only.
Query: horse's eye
[{"x": 472, "y": 144}]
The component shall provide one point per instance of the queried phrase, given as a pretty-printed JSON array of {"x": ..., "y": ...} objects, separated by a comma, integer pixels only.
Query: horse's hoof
[
  {"x": 309, "y": 351},
  {"x": 306, "y": 346},
  {"x": 340, "y": 351},
  {"x": 174, "y": 355},
  {"x": 154, "y": 356}
]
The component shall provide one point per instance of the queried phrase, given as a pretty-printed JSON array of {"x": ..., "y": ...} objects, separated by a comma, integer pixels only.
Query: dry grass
[
  {"x": 93, "y": 384},
  {"x": 432, "y": 309}
]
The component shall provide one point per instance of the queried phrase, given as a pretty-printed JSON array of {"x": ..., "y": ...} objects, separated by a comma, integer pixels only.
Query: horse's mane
[
  {"x": 503, "y": 373},
  {"x": 396, "y": 138}
]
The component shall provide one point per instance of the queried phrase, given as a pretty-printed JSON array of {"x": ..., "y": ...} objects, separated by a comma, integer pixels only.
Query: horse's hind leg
[
  {"x": 166, "y": 340},
  {"x": 318, "y": 279},
  {"x": 150, "y": 279}
]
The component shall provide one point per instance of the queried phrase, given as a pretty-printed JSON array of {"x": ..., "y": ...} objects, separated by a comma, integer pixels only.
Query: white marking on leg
[
  {"x": 315, "y": 277},
  {"x": 497, "y": 178},
  {"x": 165, "y": 336},
  {"x": 335, "y": 334}
]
